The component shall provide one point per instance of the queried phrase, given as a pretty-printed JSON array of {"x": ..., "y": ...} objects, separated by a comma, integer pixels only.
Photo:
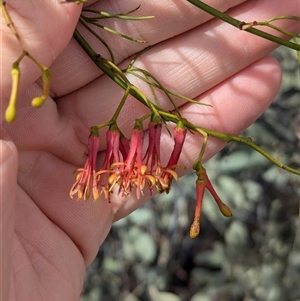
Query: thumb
[{"x": 8, "y": 187}]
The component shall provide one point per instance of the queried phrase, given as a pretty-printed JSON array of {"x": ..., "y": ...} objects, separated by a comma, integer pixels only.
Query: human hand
[{"x": 48, "y": 239}]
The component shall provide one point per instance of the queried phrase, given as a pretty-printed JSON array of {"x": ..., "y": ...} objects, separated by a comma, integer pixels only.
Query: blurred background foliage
[{"x": 253, "y": 256}]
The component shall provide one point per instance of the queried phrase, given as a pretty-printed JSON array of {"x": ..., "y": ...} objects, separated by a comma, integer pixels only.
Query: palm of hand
[{"x": 55, "y": 237}]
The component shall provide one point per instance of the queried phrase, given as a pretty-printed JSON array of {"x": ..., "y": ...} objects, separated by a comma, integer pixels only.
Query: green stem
[
  {"x": 120, "y": 106},
  {"x": 247, "y": 141},
  {"x": 81, "y": 20},
  {"x": 123, "y": 16},
  {"x": 168, "y": 116},
  {"x": 96, "y": 58},
  {"x": 238, "y": 24},
  {"x": 228, "y": 138}
]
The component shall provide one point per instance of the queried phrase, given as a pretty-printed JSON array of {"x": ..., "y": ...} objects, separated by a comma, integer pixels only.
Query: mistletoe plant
[{"x": 133, "y": 164}]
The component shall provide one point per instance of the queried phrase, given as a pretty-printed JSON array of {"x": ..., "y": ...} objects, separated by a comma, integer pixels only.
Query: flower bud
[{"x": 10, "y": 113}]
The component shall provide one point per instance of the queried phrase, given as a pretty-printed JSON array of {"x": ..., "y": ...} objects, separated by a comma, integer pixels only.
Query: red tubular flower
[
  {"x": 225, "y": 210},
  {"x": 132, "y": 172},
  {"x": 124, "y": 147},
  {"x": 152, "y": 161},
  {"x": 152, "y": 156},
  {"x": 133, "y": 168},
  {"x": 195, "y": 227},
  {"x": 129, "y": 173},
  {"x": 112, "y": 156},
  {"x": 169, "y": 173},
  {"x": 112, "y": 151},
  {"x": 81, "y": 187},
  {"x": 203, "y": 182}
]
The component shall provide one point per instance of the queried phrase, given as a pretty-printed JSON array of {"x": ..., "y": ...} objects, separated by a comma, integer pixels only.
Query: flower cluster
[{"x": 124, "y": 167}]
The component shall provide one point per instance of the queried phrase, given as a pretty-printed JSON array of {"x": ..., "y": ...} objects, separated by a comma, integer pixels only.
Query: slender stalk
[
  {"x": 168, "y": 116},
  {"x": 96, "y": 58},
  {"x": 120, "y": 106},
  {"x": 239, "y": 24},
  {"x": 247, "y": 141},
  {"x": 123, "y": 16},
  {"x": 228, "y": 138},
  {"x": 81, "y": 20}
]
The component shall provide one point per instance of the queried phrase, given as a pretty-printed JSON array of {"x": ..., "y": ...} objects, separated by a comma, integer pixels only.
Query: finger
[
  {"x": 75, "y": 69},
  {"x": 87, "y": 223},
  {"x": 8, "y": 183},
  {"x": 45, "y": 28},
  {"x": 236, "y": 103},
  {"x": 46, "y": 180},
  {"x": 182, "y": 64},
  {"x": 43, "y": 256}
]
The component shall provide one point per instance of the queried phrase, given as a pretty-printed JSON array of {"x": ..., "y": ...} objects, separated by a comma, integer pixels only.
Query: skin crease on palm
[{"x": 47, "y": 239}]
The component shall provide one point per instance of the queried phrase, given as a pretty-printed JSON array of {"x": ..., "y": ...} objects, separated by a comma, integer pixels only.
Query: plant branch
[
  {"x": 239, "y": 24},
  {"x": 168, "y": 116}
]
